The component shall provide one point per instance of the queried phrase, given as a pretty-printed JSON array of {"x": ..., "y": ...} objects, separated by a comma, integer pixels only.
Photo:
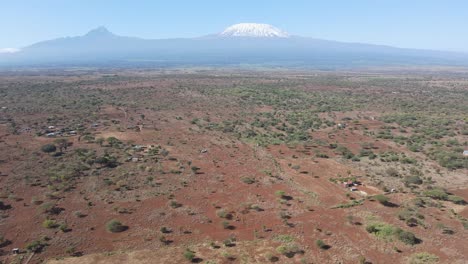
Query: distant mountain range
[{"x": 240, "y": 44}]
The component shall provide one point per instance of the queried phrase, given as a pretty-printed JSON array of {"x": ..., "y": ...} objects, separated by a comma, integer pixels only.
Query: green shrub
[
  {"x": 387, "y": 232},
  {"x": 413, "y": 180},
  {"x": 49, "y": 148},
  {"x": 322, "y": 155},
  {"x": 284, "y": 238},
  {"x": 115, "y": 226},
  {"x": 406, "y": 237},
  {"x": 392, "y": 172},
  {"x": 411, "y": 217},
  {"x": 348, "y": 205},
  {"x": 107, "y": 160},
  {"x": 381, "y": 199},
  {"x": 48, "y": 223},
  {"x": 79, "y": 214},
  {"x": 225, "y": 224},
  {"x": 381, "y": 230},
  {"x": 423, "y": 258},
  {"x": 189, "y": 255},
  {"x": 288, "y": 250},
  {"x": 437, "y": 194},
  {"x": 248, "y": 180},
  {"x": 321, "y": 244},
  {"x": 63, "y": 227},
  {"x": 280, "y": 193},
  {"x": 456, "y": 199},
  {"x": 36, "y": 245},
  {"x": 114, "y": 142},
  {"x": 174, "y": 204},
  {"x": 222, "y": 213}
]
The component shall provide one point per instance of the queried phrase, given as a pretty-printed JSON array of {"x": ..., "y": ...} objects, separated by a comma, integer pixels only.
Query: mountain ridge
[{"x": 244, "y": 43}]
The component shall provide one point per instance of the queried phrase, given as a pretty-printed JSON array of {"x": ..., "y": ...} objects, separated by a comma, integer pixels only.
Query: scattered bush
[
  {"x": 225, "y": 224},
  {"x": 49, "y": 148},
  {"x": 411, "y": 217},
  {"x": 107, "y": 160},
  {"x": 64, "y": 227},
  {"x": 230, "y": 242},
  {"x": 79, "y": 214},
  {"x": 289, "y": 250},
  {"x": 272, "y": 258},
  {"x": 321, "y": 244},
  {"x": 189, "y": 255},
  {"x": 222, "y": 213},
  {"x": 387, "y": 232},
  {"x": 423, "y": 258},
  {"x": 392, "y": 172},
  {"x": 438, "y": 194},
  {"x": 284, "y": 238},
  {"x": 381, "y": 230},
  {"x": 115, "y": 226},
  {"x": 406, "y": 237},
  {"x": 114, "y": 142},
  {"x": 456, "y": 199},
  {"x": 36, "y": 245},
  {"x": 280, "y": 193},
  {"x": 381, "y": 199},
  {"x": 413, "y": 180},
  {"x": 174, "y": 204},
  {"x": 348, "y": 205},
  {"x": 248, "y": 180},
  {"x": 48, "y": 223}
]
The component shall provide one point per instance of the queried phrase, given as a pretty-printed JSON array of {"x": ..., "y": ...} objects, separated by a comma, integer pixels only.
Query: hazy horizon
[{"x": 430, "y": 25}]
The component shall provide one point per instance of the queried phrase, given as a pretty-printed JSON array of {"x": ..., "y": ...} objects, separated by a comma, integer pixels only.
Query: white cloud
[{"x": 9, "y": 50}]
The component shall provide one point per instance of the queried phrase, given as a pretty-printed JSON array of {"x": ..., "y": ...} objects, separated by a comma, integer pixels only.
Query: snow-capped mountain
[{"x": 254, "y": 30}]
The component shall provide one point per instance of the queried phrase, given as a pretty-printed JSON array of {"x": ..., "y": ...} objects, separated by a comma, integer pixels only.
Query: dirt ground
[{"x": 203, "y": 175}]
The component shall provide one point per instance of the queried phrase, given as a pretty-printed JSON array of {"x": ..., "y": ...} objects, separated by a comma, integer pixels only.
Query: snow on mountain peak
[
  {"x": 9, "y": 50},
  {"x": 254, "y": 30}
]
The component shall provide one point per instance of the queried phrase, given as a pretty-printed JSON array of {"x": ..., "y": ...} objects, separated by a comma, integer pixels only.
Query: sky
[{"x": 425, "y": 24}]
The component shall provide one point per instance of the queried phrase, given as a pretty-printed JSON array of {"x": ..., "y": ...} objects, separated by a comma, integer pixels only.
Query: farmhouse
[{"x": 465, "y": 153}]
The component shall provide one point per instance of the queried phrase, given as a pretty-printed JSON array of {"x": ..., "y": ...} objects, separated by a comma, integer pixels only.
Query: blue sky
[{"x": 426, "y": 24}]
